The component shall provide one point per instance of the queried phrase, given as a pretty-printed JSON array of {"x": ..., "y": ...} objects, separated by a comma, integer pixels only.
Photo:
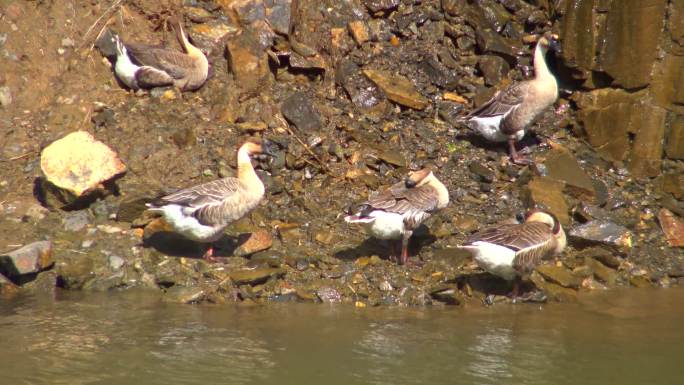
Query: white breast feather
[
  {"x": 386, "y": 225},
  {"x": 185, "y": 224},
  {"x": 490, "y": 128},
  {"x": 125, "y": 70},
  {"x": 494, "y": 258}
]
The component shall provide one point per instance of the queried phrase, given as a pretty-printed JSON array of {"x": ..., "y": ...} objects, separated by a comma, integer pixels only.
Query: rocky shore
[{"x": 355, "y": 94}]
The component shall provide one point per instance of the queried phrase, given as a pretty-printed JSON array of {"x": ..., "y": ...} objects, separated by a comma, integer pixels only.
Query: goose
[
  {"x": 395, "y": 212},
  {"x": 146, "y": 66},
  {"x": 511, "y": 251},
  {"x": 506, "y": 115},
  {"x": 202, "y": 212}
]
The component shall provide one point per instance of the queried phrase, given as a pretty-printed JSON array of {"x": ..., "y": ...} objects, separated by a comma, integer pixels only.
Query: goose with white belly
[
  {"x": 148, "y": 66},
  {"x": 397, "y": 211},
  {"x": 202, "y": 212},
  {"x": 512, "y": 251},
  {"x": 507, "y": 114}
]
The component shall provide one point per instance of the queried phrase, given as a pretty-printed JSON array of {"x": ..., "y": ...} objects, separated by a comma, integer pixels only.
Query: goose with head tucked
[
  {"x": 397, "y": 211},
  {"x": 512, "y": 251},
  {"x": 507, "y": 114},
  {"x": 147, "y": 66},
  {"x": 202, "y": 212}
]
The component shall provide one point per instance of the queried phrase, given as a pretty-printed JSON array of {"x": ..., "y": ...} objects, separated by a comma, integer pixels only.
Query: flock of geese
[{"x": 201, "y": 213}]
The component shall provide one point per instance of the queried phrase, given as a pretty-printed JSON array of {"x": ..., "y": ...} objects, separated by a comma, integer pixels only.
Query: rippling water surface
[{"x": 618, "y": 337}]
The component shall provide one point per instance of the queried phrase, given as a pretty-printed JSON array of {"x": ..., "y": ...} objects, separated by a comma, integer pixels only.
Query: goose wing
[
  {"x": 531, "y": 241},
  {"x": 176, "y": 64},
  {"x": 148, "y": 77},
  {"x": 400, "y": 199},
  {"x": 211, "y": 202},
  {"x": 503, "y": 102}
]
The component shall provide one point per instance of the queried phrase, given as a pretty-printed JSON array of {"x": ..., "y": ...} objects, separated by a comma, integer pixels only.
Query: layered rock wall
[{"x": 629, "y": 54}]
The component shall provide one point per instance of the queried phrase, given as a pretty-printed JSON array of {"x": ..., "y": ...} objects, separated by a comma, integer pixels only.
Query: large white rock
[{"x": 79, "y": 163}]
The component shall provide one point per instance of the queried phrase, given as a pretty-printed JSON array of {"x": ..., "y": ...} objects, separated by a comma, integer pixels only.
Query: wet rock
[
  {"x": 254, "y": 276},
  {"x": 299, "y": 110},
  {"x": 31, "y": 258},
  {"x": 673, "y": 228},
  {"x": 448, "y": 293},
  {"x": 610, "y": 117},
  {"x": 397, "y": 89},
  {"x": 494, "y": 68},
  {"x": 359, "y": 31},
  {"x": 314, "y": 62},
  {"x": 547, "y": 193},
  {"x": 392, "y": 157},
  {"x": 606, "y": 115},
  {"x": 76, "y": 220},
  {"x": 601, "y": 271},
  {"x": 278, "y": 14},
  {"x": 562, "y": 166},
  {"x": 491, "y": 42},
  {"x": 79, "y": 164},
  {"x": 248, "y": 61},
  {"x": 131, "y": 208},
  {"x": 630, "y": 52},
  {"x": 674, "y": 184},
  {"x": 5, "y": 96},
  {"x": 45, "y": 283},
  {"x": 601, "y": 254},
  {"x": 7, "y": 288},
  {"x": 602, "y": 231},
  {"x": 329, "y": 295},
  {"x": 439, "y": 74},
  {"x": 675, "y": 141},
  {"x": 553, "y": 291},
  {"x": 453, "y": 7},
  {"x": 362, "y": 92},
  {"x": 182, "y": 294},
  {"x": 253, "y": 242},
  {"x": 483, "y": 173},
  {"x": 640, "y": 281},
  {"x": 115, "y": 262},
  {"x": 381, "y": 5},
  {"x": 559, "y": 275}
]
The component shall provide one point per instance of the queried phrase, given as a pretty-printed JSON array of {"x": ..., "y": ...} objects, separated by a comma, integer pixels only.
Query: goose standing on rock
[
  {"x": 147, "y": 66},
  {"x": 202, "y": 212},
  {"x": 513, "y": 250},
  {"x": 394, "y": 213},
  {"x": 506, "y": 115}
]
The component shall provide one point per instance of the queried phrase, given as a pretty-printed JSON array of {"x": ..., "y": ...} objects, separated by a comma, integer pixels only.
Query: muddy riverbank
[{"x": 355, "y": 94}]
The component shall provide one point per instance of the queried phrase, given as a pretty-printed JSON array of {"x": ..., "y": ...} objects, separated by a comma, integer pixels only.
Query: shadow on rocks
[{"x": 175, "y": 245}]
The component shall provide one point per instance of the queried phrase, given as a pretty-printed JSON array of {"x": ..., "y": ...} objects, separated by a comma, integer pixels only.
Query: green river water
[{"x": 615, "y": 337}]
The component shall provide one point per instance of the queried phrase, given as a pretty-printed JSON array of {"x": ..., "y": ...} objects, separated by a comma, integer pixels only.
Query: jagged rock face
[{"x": 630, "y": 54}]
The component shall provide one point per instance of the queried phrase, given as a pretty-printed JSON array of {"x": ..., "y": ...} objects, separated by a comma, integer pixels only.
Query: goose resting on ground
[
  {"x": 506, "y": 115},
  {"x": 513, "y": 250},
  {"x": 394, "y": 213},
  {"x": 147, "y": 66},
  {"x": 202, "y": 212}
]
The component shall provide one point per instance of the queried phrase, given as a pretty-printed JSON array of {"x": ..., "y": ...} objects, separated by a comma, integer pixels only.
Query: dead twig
[
  {"x": 113, "y": 8},
  {"x": 322, "y": 165}
]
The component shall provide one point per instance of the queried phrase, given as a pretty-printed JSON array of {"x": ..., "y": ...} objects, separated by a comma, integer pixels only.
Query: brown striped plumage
[
  {"x": 508, "y": 113},
  {"x": 532, "y": 241},
  {"x": 162, "y": 66},
  {"x": 512, "y": 251},
  {"x": 202, "y": 212},
  {"x": 400, "y": 209}
]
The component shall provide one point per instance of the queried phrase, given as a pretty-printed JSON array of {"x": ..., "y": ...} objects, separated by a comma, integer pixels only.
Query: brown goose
[
  {"x": 394, "y": 213},
  {"x": 202, "y": 212},
  {"x": 513, "y": 250},
  {"x": 506, "y": 115},
  {"x": 147, "y": 66}
]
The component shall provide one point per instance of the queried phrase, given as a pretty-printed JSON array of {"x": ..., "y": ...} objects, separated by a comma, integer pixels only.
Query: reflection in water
[
  {"x": 133, "y": 337},
  {"x": 488, "y": 354}
]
